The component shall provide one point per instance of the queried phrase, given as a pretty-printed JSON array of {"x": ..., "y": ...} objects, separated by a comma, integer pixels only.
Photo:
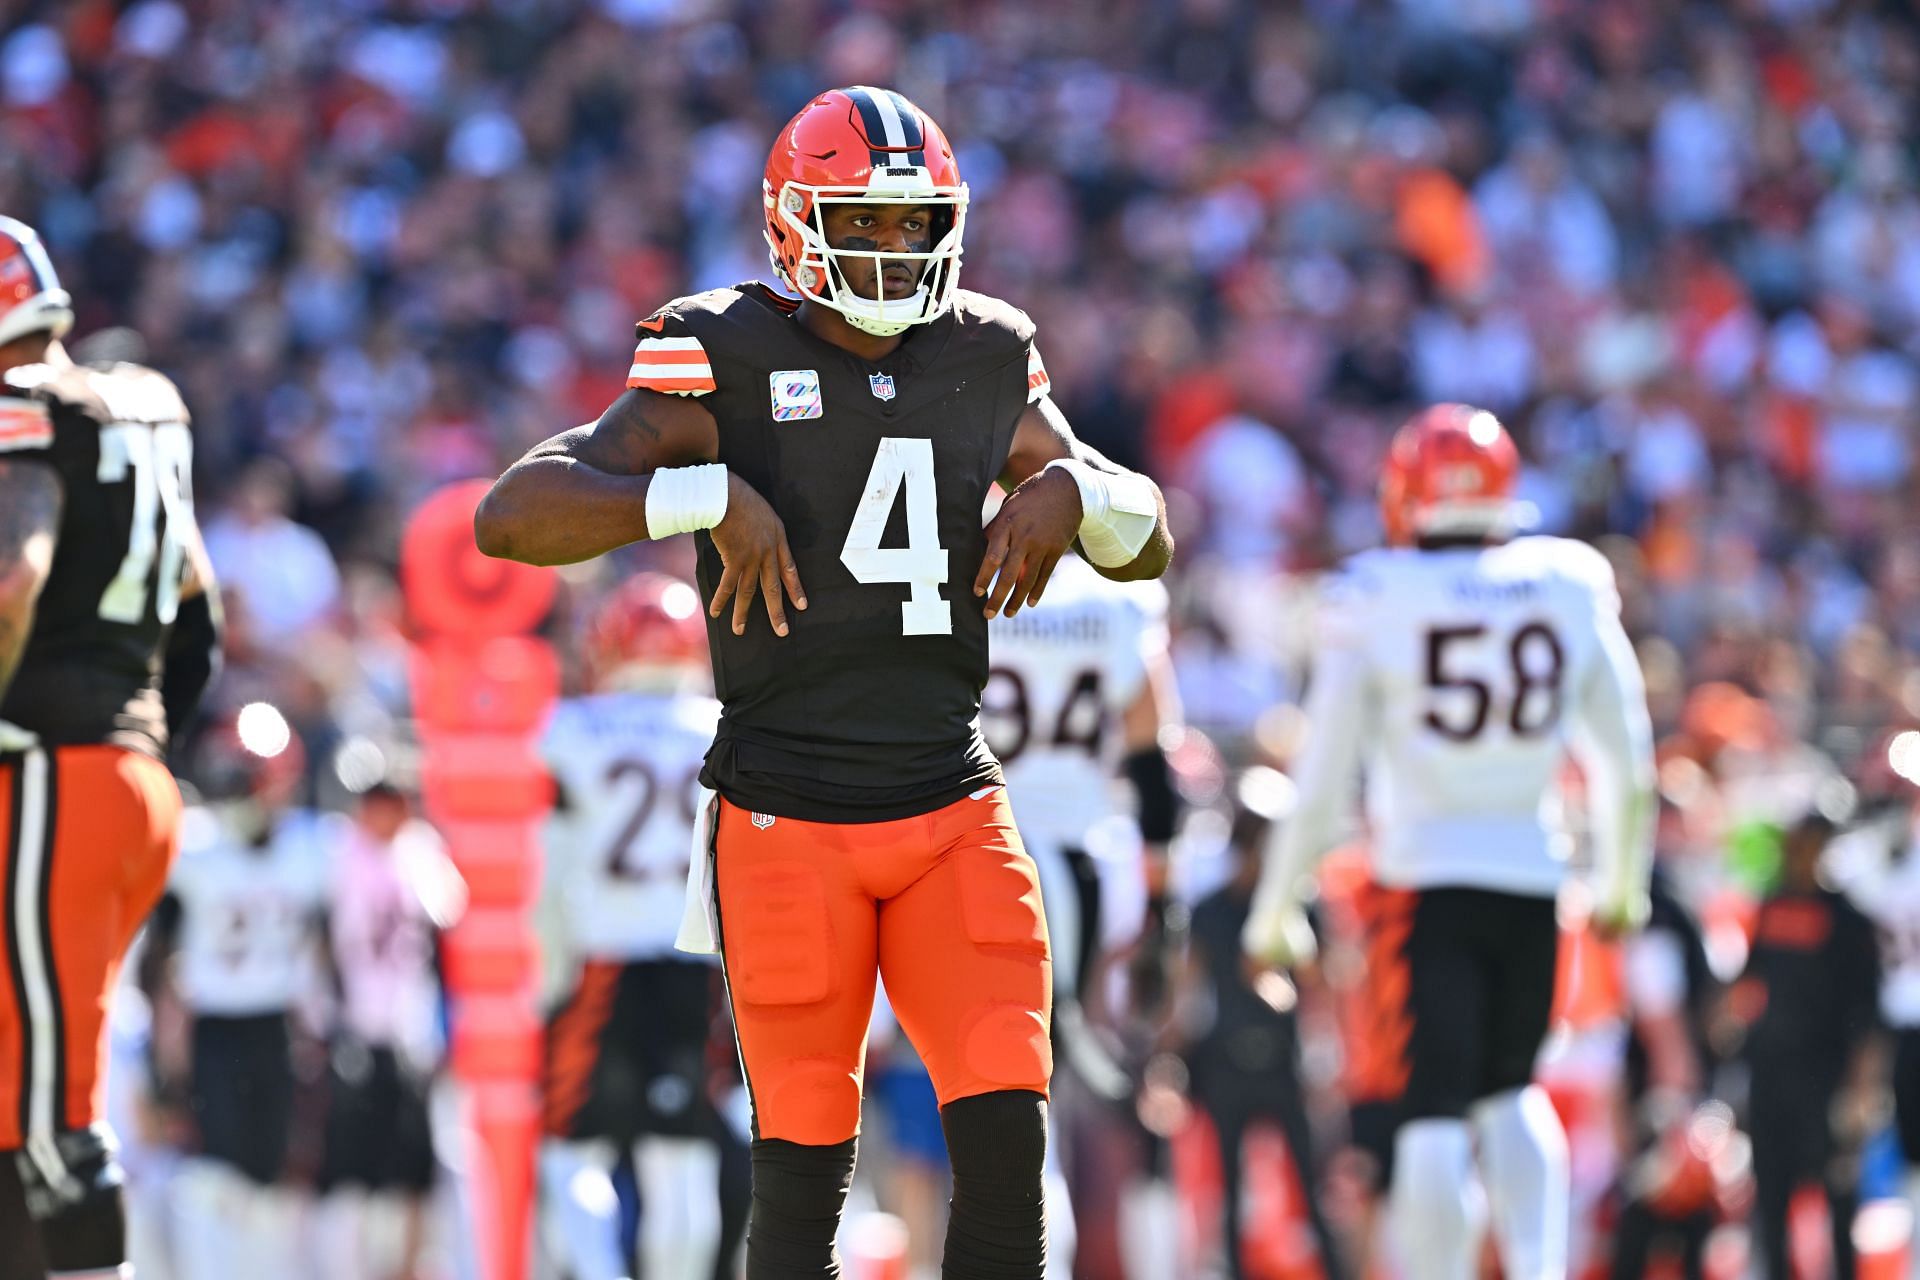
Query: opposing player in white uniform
[
  {"x": 1459, "y": 666},
  {"x": 626, "y": 1050},
  {"x": 241, "y": 924},
  {"x": 393, "y": 889},
  {"x": 1079, "y": 692}
]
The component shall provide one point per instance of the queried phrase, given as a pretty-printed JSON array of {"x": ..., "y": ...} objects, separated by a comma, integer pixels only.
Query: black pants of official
[
  {"x": 1793, "y": 1145},
  {"x": 1235, "y": 1104},
  {"x": 1640, "y": 1229}
]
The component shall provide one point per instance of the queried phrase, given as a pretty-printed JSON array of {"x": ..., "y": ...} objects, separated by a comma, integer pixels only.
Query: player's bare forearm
[
  {"x": 30, "y": 502},
  {"x": 553, "y": 508},
  {"x": 584, "y": 492},
  {"x": 1044, "y": 435}
]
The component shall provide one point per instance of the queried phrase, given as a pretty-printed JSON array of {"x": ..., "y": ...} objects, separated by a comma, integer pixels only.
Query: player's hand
[
  {"x": 1612, "y": 921},
  {"x": 752, "y": 543},
  {"x": 1278, "y": 935},
  {"x": 1025, "y": 540},
  {"x": 14, "y": 738}
]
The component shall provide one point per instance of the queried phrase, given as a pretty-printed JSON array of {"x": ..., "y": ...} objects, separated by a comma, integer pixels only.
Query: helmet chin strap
[
  {"x": 878, "y": 328},
  {"x": 868, "y": 315}
]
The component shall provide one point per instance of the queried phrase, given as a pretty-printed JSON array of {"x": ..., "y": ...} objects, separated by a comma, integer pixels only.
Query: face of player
[
  {"x": 382, "y": 815},
  {"x": 31, "y": 348},
  {"x": 880, "y": 228},
  {"x": 1800, "y": 855}
]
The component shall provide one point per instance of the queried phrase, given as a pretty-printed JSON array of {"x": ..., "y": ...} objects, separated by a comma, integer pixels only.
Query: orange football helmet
[
  {"x": 31, "y": 299},
  {"x": 863, "y": 146},
  {"x": 649, "y": 633},
  {"x": 1450, "y": 472},
  {"x": 1700, "y": 1161}
]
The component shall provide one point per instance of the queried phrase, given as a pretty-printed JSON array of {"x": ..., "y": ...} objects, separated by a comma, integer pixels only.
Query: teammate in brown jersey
[
  {"x": 832, "y": 455},
  {"x": 108, "y": 634}
]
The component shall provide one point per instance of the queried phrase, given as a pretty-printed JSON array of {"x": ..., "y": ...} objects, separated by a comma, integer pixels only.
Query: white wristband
[
  {"x": 1118, "y": 511},
  {"x": 682, "y": 499}
]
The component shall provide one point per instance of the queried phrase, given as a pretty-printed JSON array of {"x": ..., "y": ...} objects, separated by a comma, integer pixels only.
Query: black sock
[
  {"x": 798, "y": 1192},
  {"x": 998, "y": 1227}
]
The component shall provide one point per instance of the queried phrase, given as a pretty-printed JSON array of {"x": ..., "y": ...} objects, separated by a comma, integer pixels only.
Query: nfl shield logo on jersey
[
  {"x": 763, "y": 820},
  {"x": 796, "y": 394},
  {"x": 882, "y": 384}
]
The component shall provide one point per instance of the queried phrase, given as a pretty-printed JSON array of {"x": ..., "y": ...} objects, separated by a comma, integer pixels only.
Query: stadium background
[{"x": 384, "y": 246}]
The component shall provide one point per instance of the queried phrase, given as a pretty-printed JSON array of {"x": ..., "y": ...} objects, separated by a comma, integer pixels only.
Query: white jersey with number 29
[
  {"x": 1460, "y": 678},
  {"x": 628, "y": 768}
]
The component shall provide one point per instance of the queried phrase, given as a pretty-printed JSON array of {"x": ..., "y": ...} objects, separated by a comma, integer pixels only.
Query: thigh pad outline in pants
[
  {"x": 973, "y": 986},
  {"x": 797, "y": 942}
]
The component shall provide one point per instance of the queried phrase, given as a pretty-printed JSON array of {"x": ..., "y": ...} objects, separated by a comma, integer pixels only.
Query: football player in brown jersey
[
  {"x": 108, "y": 634},
  {"x": 831, "y": 452}
]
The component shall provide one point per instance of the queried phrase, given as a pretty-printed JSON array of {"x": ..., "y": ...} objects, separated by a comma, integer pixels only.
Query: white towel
[{"x": 700, "y": 916}]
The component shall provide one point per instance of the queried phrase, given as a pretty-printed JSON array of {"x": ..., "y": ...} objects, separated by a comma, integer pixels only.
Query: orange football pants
[
  {"x": 89, "y": 834},
  {"x": 944, "y": 907}
]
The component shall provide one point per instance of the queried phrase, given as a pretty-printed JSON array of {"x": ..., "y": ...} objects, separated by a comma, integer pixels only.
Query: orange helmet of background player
[
  {"x": 649, "y": 633},
  {"x": 1450, "y": 472},
  {"x": 31, "y": 299},
  {"x": 251, "y": 755},
  {"x": 862, "y": 145}
]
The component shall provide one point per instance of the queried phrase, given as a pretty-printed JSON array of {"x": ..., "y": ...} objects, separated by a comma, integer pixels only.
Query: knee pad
[
  {"x": 813, "y": 1102},
  {"x": 1009, "y": 1045},
  {"x": 72, "y": 1185},
  {"x": 798, "y": 1193}
]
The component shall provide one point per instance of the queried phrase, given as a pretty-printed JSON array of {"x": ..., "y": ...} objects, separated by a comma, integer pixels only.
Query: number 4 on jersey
[{"x": 922, "y": 563}]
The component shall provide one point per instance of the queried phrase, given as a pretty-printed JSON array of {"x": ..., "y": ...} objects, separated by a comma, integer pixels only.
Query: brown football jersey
[
  {"x": 868, "y": 710},
  {"x": 120, "y": 441}
]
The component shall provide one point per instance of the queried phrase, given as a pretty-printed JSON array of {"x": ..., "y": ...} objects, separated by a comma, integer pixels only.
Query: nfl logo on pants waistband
[
  {"x": 882, "y": 384},
  {"x": 763, "y": 820}
]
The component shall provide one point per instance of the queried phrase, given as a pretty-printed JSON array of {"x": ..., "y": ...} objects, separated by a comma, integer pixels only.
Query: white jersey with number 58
[
  {"x": 628, "y": 767},
  {"x": 1461, "y": 678}
]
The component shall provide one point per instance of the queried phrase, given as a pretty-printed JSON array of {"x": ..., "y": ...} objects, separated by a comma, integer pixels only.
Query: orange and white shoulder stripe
[
  {"x": 24, "y": 424},
  {"x": 1038, "y": 384},
  {"x": 677, "y": 366}
]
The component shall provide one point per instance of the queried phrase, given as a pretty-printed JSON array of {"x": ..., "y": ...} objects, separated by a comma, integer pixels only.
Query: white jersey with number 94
[
  {"x": 1063, "y": 674},
  {"x": 1461, "y": 677},
  {"x": 628, "y": 767}
]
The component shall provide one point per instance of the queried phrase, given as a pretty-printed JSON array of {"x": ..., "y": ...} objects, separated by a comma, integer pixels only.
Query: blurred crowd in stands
[{"x": 386, "y": 244}]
